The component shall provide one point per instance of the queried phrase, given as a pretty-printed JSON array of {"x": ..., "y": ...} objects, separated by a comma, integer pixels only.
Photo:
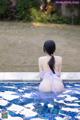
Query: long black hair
[{"x": 50, "y": 47}]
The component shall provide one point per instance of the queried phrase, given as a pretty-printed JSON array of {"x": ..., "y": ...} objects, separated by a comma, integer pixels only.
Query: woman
[{"x": 50, "y": 69}]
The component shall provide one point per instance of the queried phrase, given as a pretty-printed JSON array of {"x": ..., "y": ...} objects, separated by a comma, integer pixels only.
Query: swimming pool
[{"x": 23, "y": 101}]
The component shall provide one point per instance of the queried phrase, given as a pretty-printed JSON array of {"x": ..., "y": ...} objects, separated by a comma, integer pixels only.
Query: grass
[{"x": 21, "y": 45}]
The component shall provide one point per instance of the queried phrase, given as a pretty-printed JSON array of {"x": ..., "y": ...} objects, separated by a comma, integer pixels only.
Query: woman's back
[
  {"x": 43, "y": 63},
  {"x": 50, "y": 69}
]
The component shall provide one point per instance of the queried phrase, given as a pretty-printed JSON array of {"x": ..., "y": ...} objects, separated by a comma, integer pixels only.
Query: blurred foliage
[
  {"x": 38, "y": 16},
  {"x": 29, "y": 10},
  {"x": 24, "y": 8},
  {"x": 3, "y": 8}
]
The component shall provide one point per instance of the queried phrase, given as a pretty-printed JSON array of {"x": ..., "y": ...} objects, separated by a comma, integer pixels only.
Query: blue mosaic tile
[{"x": 23, "y": 101}]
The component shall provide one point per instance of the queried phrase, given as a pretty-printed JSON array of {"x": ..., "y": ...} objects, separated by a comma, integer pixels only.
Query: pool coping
[{"x": 34, "y": 76}]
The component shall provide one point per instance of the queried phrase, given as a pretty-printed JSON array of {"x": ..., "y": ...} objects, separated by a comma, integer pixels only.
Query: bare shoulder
[
  {"x": 41, "y": 58},
  {"x": 58, "y": 59}
]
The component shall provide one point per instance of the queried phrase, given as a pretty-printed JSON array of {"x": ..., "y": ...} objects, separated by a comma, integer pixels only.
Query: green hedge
[
  {"x": 29, "y": 10},
  {"x": 3, "y": 8},
  {"x": 38, "y": 16},
  {"x": 24, "y": 9}
]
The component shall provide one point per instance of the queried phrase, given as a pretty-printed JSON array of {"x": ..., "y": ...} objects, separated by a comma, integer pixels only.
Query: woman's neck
[{"x": 49, "y": 55}]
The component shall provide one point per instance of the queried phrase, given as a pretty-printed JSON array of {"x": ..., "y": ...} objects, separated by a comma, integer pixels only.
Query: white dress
[{"x": 51, "y": 82}]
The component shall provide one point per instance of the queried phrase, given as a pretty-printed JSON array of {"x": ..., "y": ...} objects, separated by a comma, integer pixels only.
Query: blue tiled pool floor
[{"x": 23, "y": 101}]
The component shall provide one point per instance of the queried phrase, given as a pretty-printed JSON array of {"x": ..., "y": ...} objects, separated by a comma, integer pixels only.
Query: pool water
[{"x": 23, "y": 101}]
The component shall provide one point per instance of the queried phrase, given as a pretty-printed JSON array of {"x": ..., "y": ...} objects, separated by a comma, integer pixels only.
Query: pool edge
[{"x": 31, "y": 76}]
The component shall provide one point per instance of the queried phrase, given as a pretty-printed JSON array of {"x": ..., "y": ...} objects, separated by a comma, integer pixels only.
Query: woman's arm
[
  {"x": 40, "y": 65},
  {"x": 60, "y": 66},
  {"x": 40, "y": 68}
]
